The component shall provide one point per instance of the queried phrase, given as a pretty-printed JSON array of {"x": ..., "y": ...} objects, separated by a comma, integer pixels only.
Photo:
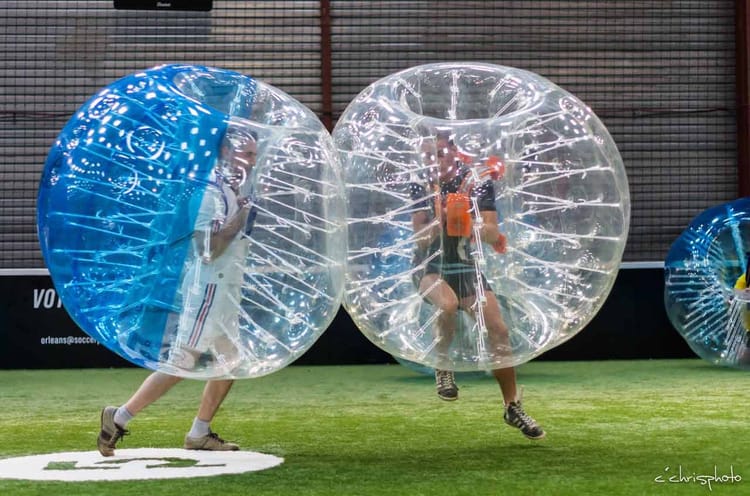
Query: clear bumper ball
[{"x": 488, "y": 211}]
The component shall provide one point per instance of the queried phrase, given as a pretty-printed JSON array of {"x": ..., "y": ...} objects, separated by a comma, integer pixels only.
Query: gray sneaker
[
  {"x": 110, "y": 432},
  {"x": 446, "y": 385},
  {"x": 516, "y": 417},
  {"x": 209, "y": 442}
]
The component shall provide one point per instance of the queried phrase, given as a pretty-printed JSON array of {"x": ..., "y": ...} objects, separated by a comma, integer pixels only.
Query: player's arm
[
  {"x": 213, "y": 243},
  {"x": 490, "y": 232},
  {"x": 426, "y": 229}
]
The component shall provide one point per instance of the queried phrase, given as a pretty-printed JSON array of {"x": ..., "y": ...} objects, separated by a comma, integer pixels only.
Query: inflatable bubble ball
[
  {"x": 429, "y": 371},
  {"x": 192, "y": 221},
  {"x": 479, "y": 190},
  {"x": 706, "y": 284}
]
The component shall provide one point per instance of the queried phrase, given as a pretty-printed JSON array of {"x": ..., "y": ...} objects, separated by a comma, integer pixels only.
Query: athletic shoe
[
  {"x": 446, "y": 385},
  {"x": 516, "y": 417},
  {"x": 209, "y": 442},
  {"x": 110, "y": 432}
]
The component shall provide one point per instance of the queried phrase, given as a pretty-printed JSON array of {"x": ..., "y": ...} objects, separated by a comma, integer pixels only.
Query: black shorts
[{"x": 462, "y": 282}]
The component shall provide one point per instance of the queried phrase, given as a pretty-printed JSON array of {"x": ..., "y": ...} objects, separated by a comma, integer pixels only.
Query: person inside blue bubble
[
  {"x": 445, "y": 272},
  {"x": 742, "y": 292},
  {"x": 207, "y": 327}
]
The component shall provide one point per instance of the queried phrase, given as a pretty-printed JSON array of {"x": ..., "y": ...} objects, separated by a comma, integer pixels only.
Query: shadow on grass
[
  {"x": 707, "y": 366},
  {"x": 526, "y": 377}
]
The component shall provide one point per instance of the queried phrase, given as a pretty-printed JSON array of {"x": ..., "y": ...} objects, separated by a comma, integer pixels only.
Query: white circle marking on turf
[{"x": 134, "y": 464}]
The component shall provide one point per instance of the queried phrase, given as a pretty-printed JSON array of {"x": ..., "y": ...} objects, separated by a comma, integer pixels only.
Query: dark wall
[
  {"x": 632, "y": 323},
  {"x": 37, "y": 333}
]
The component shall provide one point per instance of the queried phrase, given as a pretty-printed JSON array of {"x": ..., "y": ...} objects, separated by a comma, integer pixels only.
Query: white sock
[
  {"x": 200, "y": 428},
  {"x": 123, "y": 416}
]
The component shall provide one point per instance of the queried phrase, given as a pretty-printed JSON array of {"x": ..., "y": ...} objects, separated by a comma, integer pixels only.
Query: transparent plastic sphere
[
  {"x": 706, "y": 284},
  {"x": 429, "y": 371},
  {"x": 192, "y": 221},
  {"x": 483, "y": 191}
]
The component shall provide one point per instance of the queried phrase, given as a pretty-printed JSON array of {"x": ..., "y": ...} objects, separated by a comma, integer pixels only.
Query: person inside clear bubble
[
  {"x": 208, "y": 325},
  {"x": 743, "y": 293},
  {"x": 446, "y": 274}
]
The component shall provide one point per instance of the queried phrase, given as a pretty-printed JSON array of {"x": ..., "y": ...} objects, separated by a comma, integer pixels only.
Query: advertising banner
[{"x": 37, "y": 333}]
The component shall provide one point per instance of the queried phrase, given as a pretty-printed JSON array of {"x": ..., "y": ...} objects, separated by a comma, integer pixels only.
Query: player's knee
[
  {"x": 499, "y": 329},
  {"x": 449, "y": 307},
  {"x": 181, "y": 358}
]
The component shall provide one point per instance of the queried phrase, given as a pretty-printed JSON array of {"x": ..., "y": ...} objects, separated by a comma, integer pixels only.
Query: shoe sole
[
  {"x": 537, "y": 438},
  {"x": 533, "y": 438},
  {"x": 104, "y": 450},
  {"x": 448, "y": 398},
  {"x": 227, "y": 446}
]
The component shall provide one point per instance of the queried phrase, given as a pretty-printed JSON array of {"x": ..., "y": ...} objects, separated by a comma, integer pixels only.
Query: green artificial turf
[{"x": 612, "y": 428}]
